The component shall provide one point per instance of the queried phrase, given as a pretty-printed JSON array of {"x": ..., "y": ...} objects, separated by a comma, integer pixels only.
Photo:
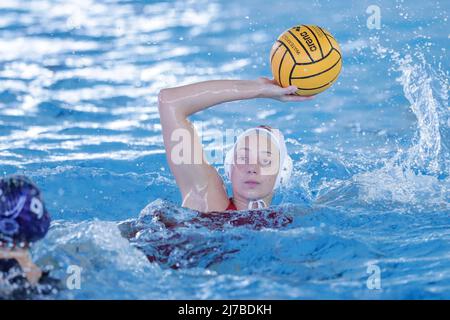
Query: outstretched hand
[{"x": 271, "y": 89}]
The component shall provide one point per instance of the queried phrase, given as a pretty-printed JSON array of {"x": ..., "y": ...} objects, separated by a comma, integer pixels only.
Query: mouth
[{"x": 251, "y": 183}]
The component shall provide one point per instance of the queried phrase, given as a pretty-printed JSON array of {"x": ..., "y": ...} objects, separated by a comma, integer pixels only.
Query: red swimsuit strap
[{"x": 231, "y": 206}]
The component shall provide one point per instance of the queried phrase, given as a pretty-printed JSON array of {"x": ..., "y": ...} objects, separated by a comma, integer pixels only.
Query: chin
[{"x": 253, "y": 194}]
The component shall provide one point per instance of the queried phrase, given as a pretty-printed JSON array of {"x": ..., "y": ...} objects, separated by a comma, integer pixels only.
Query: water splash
[
  {"x": 416, "y": 176},
  {"x": 426, "y": 92},
  {"x": 98, "y": 250},
  {"x": 180, "y": 238}
]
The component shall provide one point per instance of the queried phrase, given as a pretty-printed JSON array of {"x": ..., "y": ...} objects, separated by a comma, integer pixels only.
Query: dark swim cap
[{"x": 23, "y": 217}]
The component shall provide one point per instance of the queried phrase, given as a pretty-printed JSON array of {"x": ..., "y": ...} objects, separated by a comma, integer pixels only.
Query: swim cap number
[{"x": 36, "y": 207}]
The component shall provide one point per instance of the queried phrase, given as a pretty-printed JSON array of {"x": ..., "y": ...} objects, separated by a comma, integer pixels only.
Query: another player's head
[{"x": 23, "y": 216}]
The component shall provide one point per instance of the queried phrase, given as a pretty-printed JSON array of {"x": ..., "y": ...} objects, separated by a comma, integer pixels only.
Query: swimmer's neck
[{"x": 241, "y": 203}]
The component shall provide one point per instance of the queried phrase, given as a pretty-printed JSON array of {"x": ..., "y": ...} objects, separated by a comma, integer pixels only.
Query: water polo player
[
  {"x": 256, "y": 165},
  {"x": 23, "y": 221}
]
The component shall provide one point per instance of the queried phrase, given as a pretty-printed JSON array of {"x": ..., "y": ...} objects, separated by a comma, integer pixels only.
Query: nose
[{"x": 253, "y": 169}]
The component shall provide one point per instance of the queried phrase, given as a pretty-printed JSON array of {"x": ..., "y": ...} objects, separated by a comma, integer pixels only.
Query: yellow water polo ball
[{"x": 307, "y": 57}]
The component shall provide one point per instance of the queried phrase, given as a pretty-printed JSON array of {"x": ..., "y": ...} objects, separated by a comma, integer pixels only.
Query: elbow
[
  {"x": 166, "y": 103},
  {"x": 165, "y": 100},
  {"x": 162, "y": 97},
  {"x": 165, "y": 96}
]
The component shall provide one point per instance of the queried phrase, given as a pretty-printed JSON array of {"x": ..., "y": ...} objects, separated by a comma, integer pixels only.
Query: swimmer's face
[{"x": 255, "y": 168}]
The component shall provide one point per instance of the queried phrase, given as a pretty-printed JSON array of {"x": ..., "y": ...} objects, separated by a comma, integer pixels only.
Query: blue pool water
[{"x": 370, "y": 191}]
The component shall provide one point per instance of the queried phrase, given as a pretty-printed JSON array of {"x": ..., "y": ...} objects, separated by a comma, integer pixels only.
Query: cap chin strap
[{"x": 259, "y": 204}]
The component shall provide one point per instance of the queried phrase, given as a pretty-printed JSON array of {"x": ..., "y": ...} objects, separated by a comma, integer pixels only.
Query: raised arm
[{"x": 200, "y": 185}]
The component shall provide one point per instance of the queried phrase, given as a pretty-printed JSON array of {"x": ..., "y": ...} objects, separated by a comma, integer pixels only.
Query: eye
[
  {"x": 242, "y": 159},
  {"x": 265, "y": 162}
]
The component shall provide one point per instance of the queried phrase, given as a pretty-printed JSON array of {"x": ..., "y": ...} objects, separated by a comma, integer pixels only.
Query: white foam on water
[{"x": 416, "y": 174}]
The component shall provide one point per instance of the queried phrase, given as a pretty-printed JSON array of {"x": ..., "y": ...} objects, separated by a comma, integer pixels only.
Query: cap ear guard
[{"x": 285, "y": 174}]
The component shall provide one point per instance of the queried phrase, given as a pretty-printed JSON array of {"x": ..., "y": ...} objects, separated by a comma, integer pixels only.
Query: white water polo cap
[{"x": 284, "y": 174}]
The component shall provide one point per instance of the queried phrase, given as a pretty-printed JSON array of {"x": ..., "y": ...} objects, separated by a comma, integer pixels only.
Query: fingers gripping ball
[
  {"x": 23, "y": 216},
  {"x": 308, "y": 57}
]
